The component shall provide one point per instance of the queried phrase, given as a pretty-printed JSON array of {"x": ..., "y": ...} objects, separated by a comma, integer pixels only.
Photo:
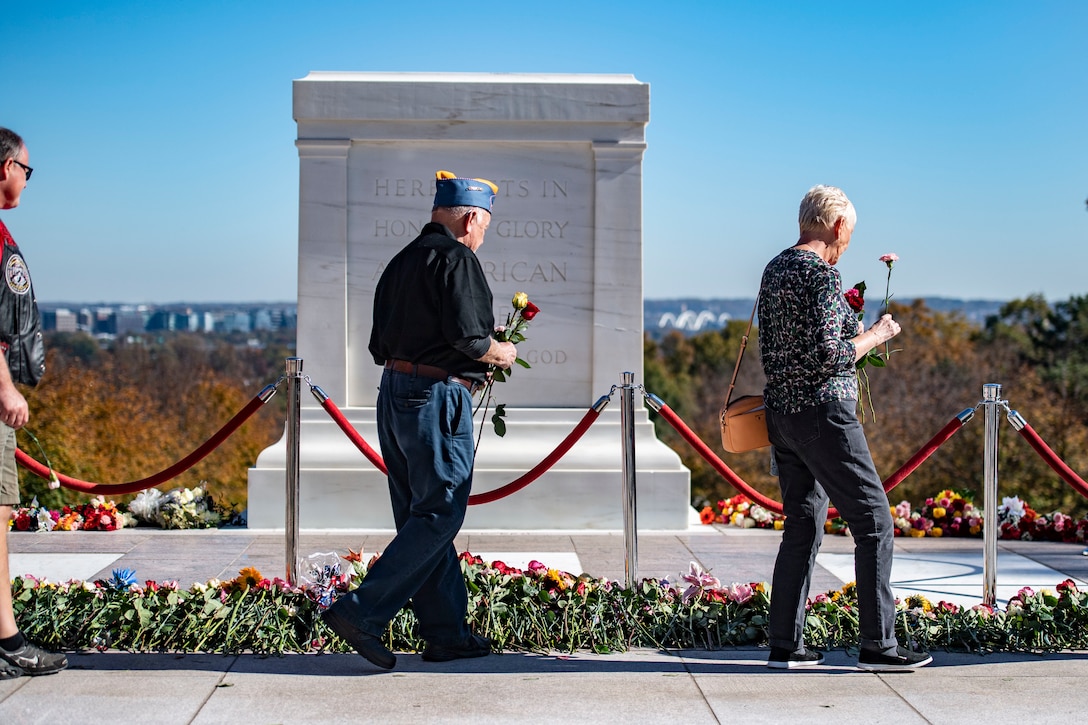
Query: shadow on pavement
[{"x": 733, "y": 661}]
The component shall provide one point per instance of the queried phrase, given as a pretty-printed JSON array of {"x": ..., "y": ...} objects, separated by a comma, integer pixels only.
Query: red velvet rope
[
  {"x": 770, "y": 504},
  {"x": 173, "y": 471},
  {"x": 353, "y": 435},
  {"x": 712, "y": 458},
  {"x": 923, "y": 453},
  {"x": 1053, "y": 460},
  {"x": 487, "y": 497},
  {"x": 535, "y": 472}
]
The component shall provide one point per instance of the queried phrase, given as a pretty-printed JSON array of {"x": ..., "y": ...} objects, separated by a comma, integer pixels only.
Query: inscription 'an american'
[{"x": 513, "y": 271}]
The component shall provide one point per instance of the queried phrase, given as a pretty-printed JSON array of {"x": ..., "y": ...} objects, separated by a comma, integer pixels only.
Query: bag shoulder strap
[{"x": 740, "y": 355}]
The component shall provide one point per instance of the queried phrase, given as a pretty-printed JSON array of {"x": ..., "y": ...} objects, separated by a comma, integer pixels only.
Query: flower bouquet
[
  {"x": 517, "y": 322},
  {"x": 181, "y": 508},
  {"x": 855, "y": 297}
]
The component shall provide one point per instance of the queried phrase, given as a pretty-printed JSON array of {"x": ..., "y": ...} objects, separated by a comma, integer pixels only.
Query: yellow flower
[
  {"x": 248, "y": 577},
  {"x": 936, "y": 531},
  {"x": 520, "y": 301},
  {"x": 915, "y": 601},
  {"x": 778, "y": 524},
  {"x": 917, "y": 533},
  {"x": 938, "y": 512},
  {"x": 556, "y": 577}
]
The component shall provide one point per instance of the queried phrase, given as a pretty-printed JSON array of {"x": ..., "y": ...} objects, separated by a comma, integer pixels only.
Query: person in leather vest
[{"x": 21, "y": 343}]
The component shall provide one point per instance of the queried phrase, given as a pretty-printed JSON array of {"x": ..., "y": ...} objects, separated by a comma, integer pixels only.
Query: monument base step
[{"x": 583, "y": 491}]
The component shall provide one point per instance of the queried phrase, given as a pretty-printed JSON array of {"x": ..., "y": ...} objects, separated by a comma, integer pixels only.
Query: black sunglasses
[{"x": 26, "y": 168}]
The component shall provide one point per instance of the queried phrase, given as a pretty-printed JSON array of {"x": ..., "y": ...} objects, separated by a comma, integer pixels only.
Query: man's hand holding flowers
[{"x": 517, "y": 322}]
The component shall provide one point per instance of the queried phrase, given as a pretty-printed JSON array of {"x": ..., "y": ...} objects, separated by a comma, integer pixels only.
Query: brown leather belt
[{"x": 430, "y": 371}]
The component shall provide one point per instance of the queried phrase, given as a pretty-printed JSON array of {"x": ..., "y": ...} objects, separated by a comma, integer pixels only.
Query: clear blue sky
[{"x": 166, "y": 168}]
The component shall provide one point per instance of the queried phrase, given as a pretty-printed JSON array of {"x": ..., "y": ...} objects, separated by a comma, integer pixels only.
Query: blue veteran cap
[{"x": 451, "y": 191}]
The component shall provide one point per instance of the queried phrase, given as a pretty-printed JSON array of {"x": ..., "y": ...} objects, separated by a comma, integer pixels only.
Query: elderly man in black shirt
[{"x": 433, "y": 333}]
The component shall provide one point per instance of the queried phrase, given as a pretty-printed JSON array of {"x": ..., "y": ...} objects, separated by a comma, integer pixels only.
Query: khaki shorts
[{"x": 9, "y": 474}]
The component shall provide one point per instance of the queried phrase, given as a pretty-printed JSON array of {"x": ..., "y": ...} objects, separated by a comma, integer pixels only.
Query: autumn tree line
[
  {"x": 1037, "y": 352},
  {"x": 133, "y": 407},
  {"x": 127, "y": 410}
]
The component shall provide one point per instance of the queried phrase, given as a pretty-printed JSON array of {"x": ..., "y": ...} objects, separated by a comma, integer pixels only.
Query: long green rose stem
[
  {"x": 887, "y": 298},
  {"x": 485, "y": 401}
]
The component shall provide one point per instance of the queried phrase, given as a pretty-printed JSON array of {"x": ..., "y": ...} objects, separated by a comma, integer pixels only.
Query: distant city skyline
[
  {"x": 110, "y": 320},
  {"x": 687, "y": 314}
]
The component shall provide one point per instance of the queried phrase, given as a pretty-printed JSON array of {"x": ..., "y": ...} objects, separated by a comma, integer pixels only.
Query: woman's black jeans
[{"x": 821, "y": 452}]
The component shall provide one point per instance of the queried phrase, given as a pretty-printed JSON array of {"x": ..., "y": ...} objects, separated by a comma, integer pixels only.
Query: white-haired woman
[{"x": 809, "y": 341}]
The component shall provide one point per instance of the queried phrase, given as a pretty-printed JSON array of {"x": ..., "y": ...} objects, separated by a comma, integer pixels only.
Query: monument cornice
[{"x": 450, "y": 97}]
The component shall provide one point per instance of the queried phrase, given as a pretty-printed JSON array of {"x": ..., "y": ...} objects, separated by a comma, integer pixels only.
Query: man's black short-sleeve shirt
[{"x": 433, "y": 306}]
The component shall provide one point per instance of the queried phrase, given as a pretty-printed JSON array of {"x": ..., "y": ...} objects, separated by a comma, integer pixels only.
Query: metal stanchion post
[
  {"x": 991, "y": 398},
  {"x": 630, "y": 516},
  {"x": 294, "y": 387}
]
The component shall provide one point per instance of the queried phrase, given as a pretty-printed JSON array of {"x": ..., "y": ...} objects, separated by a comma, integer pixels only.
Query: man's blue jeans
[
  {"x": 821, "y": 452},
  {"x": 425, "y": 431}
]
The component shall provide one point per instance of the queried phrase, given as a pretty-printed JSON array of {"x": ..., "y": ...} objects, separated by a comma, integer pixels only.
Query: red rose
[
  {"x": 854, "y": 299},
  {"x": 530, "y": 311}
]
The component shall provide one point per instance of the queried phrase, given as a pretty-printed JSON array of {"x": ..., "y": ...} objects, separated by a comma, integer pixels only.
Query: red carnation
[{"x": 530, "y": 311}]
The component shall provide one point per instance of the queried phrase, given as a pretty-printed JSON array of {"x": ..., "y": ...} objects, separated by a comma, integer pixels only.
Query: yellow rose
[
  {"x": 936, "y": 531},
  {"x": 520, "y": 301},
  {"x": 938, "y": 512}
]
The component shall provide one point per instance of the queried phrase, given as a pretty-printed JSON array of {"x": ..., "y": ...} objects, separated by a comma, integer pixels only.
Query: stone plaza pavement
[{"x": 691, "y": 686}]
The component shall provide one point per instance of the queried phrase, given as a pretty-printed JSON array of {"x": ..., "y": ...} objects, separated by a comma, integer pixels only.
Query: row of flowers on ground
[
  {"x": 181, "y": 508},
  {"x": 536, "y": 609},
  {"x": 949, "y": 513}
]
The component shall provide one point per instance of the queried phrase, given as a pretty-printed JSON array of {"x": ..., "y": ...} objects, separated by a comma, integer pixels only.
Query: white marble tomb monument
[{"x": 566, "y": 152}]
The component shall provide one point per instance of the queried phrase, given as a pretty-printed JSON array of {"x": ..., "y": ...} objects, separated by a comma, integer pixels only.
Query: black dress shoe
[
  {"x": 474, "y": 646},
  {"x": 365, "y": 644}
]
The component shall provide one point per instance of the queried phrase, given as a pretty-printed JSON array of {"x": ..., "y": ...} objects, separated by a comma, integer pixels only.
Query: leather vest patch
[{"x": 17, "y": 275}]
